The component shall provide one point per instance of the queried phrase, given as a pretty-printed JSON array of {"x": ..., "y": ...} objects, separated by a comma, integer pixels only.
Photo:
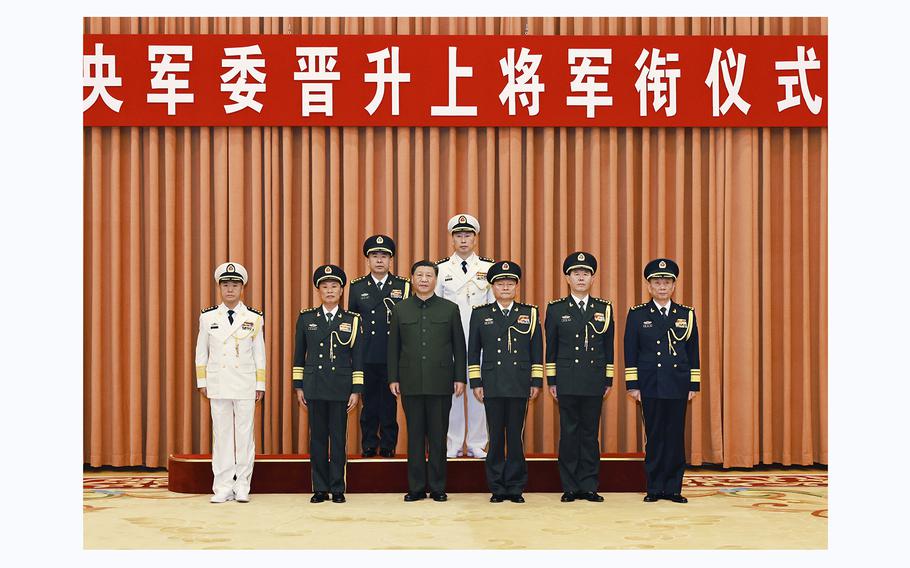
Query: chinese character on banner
[
  {"x": 241, "y": 68},
  {"x": 99, "y": 72},
  {"x": 166, "y": 75},
  {"x": 801, "y": 65},
  {"x": 316, "y": 65},
  {"x": 525, "y": 82},
  {"x": 380, "y": 77},
  {"x": 659, "y": 81},
  {"x": 452, "y": 109},
  {"x": 584, "y": 78},
  {"x": 722, "y": 67}
]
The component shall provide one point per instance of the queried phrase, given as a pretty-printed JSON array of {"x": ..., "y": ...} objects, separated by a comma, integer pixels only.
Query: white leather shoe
[
  {"x": 477, "y": 453},
  {"x": 243, "y": 497},
  {"x": 456, "y": 454},
  {"x": 221, "y": 497}
]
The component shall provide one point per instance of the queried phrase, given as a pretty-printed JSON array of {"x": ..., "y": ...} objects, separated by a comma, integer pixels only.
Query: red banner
[{"x": 371, "y": 80}]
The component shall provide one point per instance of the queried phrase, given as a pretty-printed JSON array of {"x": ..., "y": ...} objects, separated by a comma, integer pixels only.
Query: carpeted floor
[{"x": 767, "y": 510}]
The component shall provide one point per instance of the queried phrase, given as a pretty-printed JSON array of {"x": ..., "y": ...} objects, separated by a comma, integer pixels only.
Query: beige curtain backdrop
[{"x": 744, "y": 212}]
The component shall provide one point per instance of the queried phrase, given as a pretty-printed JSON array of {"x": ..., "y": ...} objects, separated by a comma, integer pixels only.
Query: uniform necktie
[
  {"x": 505, "y": 312},
  {"x": 581, "y": 306},
  {"x": 464, "y": 266},
  {"x": 663, "y": 312},
  {"x": 328, "y": 316},
  {"x": 231, "y": 317},
  {"x": 379, "y": 285}
]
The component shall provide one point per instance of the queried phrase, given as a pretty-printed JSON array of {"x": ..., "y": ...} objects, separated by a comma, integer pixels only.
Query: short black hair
[{"x": 420, "y": 263}]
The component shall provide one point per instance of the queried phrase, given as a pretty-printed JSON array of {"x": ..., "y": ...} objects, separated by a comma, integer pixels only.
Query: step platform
[{"x": 291, "y": 474}]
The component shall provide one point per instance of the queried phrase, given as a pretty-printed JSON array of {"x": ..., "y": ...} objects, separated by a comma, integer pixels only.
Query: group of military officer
[{"x": 412, "y": 339}]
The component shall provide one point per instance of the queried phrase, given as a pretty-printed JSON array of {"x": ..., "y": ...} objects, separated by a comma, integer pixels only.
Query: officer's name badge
[
  {"x": 522, "y": 320},
  {"x": 344, "y": 327},
  {"x": 647, "y": 323},
  {"x": 488, "y": 321},
  {"x": 313, "y": 326},
  {"x": 395, "y": 294},
  {"x": 567, "y": 317},
  {"x": 247, "y": 325},
  {"x": 213, "y": 326},
  {"x": 682, "y": 323},
  {"x": 599, "y": 316}
]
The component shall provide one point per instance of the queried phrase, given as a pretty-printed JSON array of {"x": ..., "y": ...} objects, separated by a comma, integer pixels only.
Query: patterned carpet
[{"x": 766, "y": 510}]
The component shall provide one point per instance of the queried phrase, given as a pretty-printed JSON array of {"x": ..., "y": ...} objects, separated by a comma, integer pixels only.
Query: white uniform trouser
[
  {"x": 233, "y": 448},
  {"x": 475, "y": 435}
]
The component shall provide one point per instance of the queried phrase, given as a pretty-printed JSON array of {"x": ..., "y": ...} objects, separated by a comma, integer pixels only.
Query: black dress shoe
[
  {"x": 651, "y": 497},
  {"x": 369, "y": 453},
  {"x": 387, "y": 452},
  {"x": 590, "y": 496},
  {"x": 567, "y": 497},
  {"x": 338, "y": 498},
  {"x": 417, "y": 496},
  {"x": 496, "y": 498},
  {"x": 439, "y": 496},
  {"x": 517, "y": 498},
  {"x": 319, "y": 497},
  {"x": 676, "y": 498}
]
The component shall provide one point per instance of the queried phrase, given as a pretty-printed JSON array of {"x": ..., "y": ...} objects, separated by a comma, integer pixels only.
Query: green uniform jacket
[
  {"x": 511, "y": 348},
  {"x": 328, "y": 360},
  {"x": 579, "y": 347},
  {"x": 426, "y": 346}
]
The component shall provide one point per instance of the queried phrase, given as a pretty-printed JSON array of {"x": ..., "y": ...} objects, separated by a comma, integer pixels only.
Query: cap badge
[
  {"x": 581, "y": 256},
  {"x": 328, "y": 269},
  {"x": 462, "y": 219},
  {"x": 505, "y": 265},
  {"x": 379, "y": 240},
  {"x": 230, "y": 268},
  {"x": 662, "y": 264}
]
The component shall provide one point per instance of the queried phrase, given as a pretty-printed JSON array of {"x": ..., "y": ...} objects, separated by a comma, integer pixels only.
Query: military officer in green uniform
[
  {"x": 427, "y": 365},
  {"x": 579, "y": 356},
  {"x": 505, "y": 367},
  {"x": 373, "y": 296},
  {"x": 328, "y": 379},
  {"x": 663, "y": 373}
]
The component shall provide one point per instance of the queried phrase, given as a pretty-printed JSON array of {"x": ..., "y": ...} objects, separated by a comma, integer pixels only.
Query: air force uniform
[
  {"x": 511, "y": 345},
  {"x": 464, "y": 281},
  {"x": 662, "y": 362},
  {"x": 374, "y": 301},
  {"x": 328, "y": 366},
  {"x": 579, "y": 359},
  {"x": 230, "y": 365}
]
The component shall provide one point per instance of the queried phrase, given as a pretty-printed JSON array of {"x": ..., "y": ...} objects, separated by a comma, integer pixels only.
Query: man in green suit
[{"x": 427, "y": 361}]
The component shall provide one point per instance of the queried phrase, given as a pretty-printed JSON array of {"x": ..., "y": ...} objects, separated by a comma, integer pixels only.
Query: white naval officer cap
[
  {"x": 230, "y": 271},
  {"x": 464, "y": 222}
]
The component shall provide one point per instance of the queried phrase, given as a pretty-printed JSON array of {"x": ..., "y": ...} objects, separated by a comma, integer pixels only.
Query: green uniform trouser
[{"x": 427, "y": 422}]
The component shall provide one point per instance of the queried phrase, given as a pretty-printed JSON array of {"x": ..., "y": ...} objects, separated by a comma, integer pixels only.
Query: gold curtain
[{"x": 744, "y": 212}]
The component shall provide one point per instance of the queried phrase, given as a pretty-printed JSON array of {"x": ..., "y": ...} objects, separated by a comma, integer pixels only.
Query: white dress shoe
[
  {"x": 456, "y": 454},
  {"x": 477, "y": 453},
  {"x": 221, "y": 497},
  {"x": 242, "y": 497}
]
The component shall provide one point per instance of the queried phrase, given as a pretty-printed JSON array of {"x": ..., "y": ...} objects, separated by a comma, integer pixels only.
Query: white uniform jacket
[{"x": 230, "y": 358}]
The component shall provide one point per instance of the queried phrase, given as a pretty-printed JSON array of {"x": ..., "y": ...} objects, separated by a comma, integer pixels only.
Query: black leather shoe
[
  {"x": 589, "y": 496},
  {"x": 516, "y": 498},
  {"x": 676, "y": 498},
  {"x": 439, "y": 496},
  {"x": 567, "y": 497},
  {"x": 338, "y": 498},
  {"x": 369, "y": 453},
  {"x": 387, "y": 452},
  {"x": 496, "y": 498},
  {"x": 319, "y": 497},
  {"x": 415, "y": 496},
  {"x": 651, "y": 497}
]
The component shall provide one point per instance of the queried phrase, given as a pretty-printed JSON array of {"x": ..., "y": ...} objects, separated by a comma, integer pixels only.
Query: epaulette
[
  {"x": 557, "y": 300},
  {"x": 639, "y": 306},
  {"x": 402, "y": 278},
  {"x": 359, "y": 278},
  {"x": 600, "y": 299},
  {"x": 528, "y": 305},
  {"x": 441, "y": 260},
  {"x": 685, "y": 306},
  {"x": 309, "y": 310},
  {"x": 484, "y": 305},
  {"x": 254, "y": 310},
  {"x": 486, "y": 259},
  {"x": 210, "y": 308}
]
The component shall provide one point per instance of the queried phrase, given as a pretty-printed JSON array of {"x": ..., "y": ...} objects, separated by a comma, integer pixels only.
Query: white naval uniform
[
  {"x": 466, "y": 290},
  {"x": 230, "y": 364}
]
